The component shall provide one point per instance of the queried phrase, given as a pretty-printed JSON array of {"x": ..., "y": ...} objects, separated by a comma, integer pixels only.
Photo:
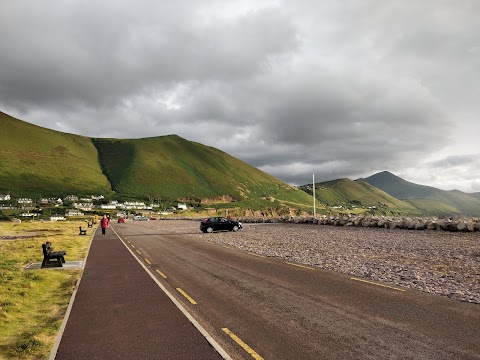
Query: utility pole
[{"x": 314, "y": 209}]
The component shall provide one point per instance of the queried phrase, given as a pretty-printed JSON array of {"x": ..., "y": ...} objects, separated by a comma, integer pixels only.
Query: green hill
[
  {"x": 356, "y": 195},
  {"x": 170, "y": 167},
  {"x": 428, "y": 199},
  {"x": 40, "y": 162}
]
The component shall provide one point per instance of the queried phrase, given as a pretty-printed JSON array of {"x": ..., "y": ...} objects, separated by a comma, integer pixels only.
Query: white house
[
  {"x": 83, "y": 206},
  {"x": 5, "y": 197},
  {"x": 108, "y": 206},
  {"x": 73, "y": 212},
  {"x": 133, "y": 205},
  {"x": 28, "y": 214},
  {"x": 57, "y": 218},
  {"x": 24, "y": 201},
  {"x": 71, "y": 198}
]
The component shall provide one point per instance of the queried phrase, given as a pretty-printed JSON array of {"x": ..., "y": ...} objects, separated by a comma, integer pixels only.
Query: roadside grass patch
[{"x": 33, "y": 303}]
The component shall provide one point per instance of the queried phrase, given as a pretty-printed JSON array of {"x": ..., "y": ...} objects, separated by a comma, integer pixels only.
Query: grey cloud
[
  {"x": 79, "y": 55},
  {"x": 342, "y": 89},
  {"x": 455, "y": 160}
]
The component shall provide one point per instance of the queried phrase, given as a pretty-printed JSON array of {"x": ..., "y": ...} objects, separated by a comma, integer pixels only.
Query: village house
[
  {"x": 83, "y": 206},
  {"x": 5, "y": 197},
  {"x": 109, "y": 206},
  {"x": 29, "y": 214},
  {"x": 57, "y": 218},
  {"x": 133, "y": 205},
  {"x": 73, "y": 212},
  {"x": 24, "y": 201},
  {"x": 71, "y": 198}
]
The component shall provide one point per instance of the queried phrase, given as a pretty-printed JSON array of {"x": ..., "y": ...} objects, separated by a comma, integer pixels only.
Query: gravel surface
[{"x": 437, "y": 262}]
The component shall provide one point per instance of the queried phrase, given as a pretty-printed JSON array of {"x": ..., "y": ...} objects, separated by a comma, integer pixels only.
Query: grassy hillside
[
  {"x": 170, "y": 167},
  {"x": 40, "y": 162},
  {"x": 358, "y": 194},
  {"x": 428, "y": 199},
  {"x": 433, "y": 207}
]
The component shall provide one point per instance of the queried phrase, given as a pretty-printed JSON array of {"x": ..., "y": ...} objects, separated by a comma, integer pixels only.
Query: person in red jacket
[{"x": 104, "y": 224}]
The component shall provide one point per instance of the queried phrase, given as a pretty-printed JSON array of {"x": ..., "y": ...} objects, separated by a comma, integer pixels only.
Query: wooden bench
[
  {"x": 52, "y": 258},
  {"x": 82, "y": 232}
]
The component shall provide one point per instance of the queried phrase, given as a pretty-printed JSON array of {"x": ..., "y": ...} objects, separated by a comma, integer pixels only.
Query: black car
[{"x": 219, "y": 224}]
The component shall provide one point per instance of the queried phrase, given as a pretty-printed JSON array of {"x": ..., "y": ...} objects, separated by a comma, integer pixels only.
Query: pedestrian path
[{"x": 119, "y": 312}]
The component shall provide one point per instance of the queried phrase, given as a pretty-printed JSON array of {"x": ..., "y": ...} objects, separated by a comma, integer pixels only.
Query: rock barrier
[{"x": 407, "y": 223}]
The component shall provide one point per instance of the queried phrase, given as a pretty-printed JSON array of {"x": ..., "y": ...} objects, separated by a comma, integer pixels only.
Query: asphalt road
[{"x": 267, "y": 308}]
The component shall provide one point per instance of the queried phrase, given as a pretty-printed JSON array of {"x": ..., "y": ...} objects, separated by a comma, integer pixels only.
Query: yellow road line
[
  {"x": 161, "y": 274},
  {"x": 370, "y": 282},
  {"x": 300, "y": 266},
  {"x": 256, "y": 255},
  {"x": 147, "y": 261},
  {"x": 139, "y": 253},
  {"x": 244, "y": 346},
  {"x": 186, "y": 296}
]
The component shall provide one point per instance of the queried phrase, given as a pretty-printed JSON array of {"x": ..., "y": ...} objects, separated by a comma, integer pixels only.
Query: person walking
[{"x": 104, "y": 224}]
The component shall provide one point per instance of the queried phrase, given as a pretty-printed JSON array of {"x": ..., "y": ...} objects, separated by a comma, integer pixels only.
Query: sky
[{"x": 338, "y": 88}]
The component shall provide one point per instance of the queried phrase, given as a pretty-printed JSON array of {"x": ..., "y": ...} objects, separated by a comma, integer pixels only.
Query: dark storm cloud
[
  {"x": 342, "y": 89},
  {"x": 77, "y": 54}
]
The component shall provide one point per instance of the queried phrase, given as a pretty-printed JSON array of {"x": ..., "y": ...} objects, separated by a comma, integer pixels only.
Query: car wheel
[
  {"x": 235, "y": 228},
  {"x": 209, "y": 229}
]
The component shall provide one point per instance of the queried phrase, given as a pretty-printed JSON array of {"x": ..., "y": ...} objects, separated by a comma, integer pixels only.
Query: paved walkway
[{"x": 119, "y": 312}]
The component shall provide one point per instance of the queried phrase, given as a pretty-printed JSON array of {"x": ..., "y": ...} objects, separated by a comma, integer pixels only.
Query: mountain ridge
[
  {"x": 40, "y": 162},
  {"x": 426, "y": 198}
]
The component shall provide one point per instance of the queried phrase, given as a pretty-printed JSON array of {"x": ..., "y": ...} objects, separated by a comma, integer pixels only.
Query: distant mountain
[
  {"x": 35, "y": 161},
  {"x": 428, "y": 199},
  {"x": 399, "y": 188},
  {"x": 351, "y": 195}
]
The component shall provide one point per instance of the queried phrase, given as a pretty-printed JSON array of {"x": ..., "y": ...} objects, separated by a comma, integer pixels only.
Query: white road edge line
[{"x": 195, "y": 323}]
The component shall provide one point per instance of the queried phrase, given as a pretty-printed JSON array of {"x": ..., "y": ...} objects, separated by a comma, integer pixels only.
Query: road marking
[
  {"x": 161, "y": 274},
  {"x": 300, "y": 266},
  {"x": 179, "y": 305},
  {"x": 139, "y": 253},
  {"x": 256, "y": 255},
  {"x": 244, "y": 346},
  {"x": 133, "y": 246},
  {"x": 370, "y": 282},
  {"x": 147, "y": 261},
  {"x": 186, "y": 296},
  {"x": 229, "y": 247}
]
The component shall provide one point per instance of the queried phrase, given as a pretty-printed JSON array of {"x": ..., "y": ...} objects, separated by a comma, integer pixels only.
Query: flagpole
[{"x": 314, "y": 210}]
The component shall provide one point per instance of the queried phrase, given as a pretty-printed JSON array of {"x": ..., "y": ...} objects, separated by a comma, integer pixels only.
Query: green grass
[
  {"x": 33, "y": 302},
  {"x": 40, "y": 162},
  {"x": 169, "y": 168}
]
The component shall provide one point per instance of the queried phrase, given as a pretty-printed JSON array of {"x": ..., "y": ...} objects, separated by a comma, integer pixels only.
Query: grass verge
[{"x": 33, "y": 302}]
